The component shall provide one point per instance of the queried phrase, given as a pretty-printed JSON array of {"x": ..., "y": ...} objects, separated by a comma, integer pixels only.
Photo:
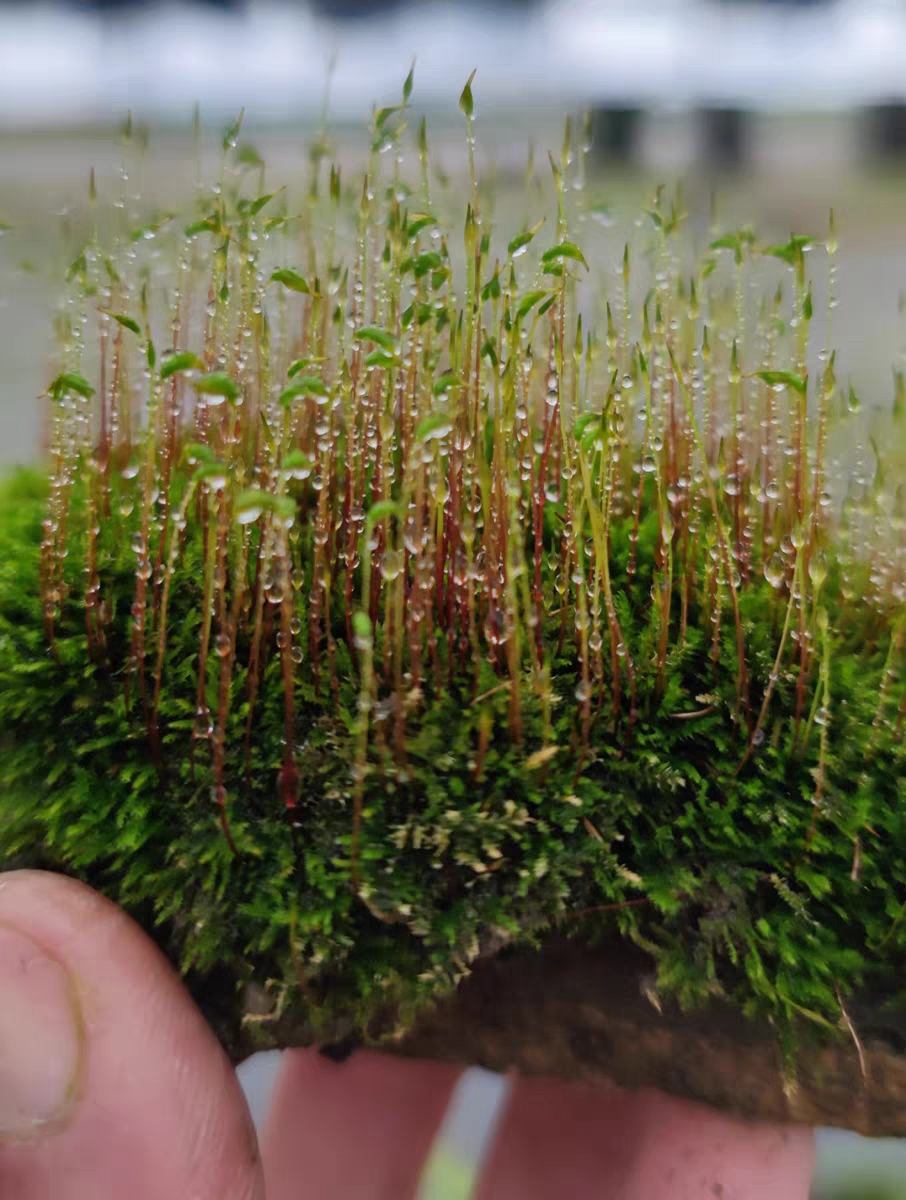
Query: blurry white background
[{"x": 66, "y": 63}]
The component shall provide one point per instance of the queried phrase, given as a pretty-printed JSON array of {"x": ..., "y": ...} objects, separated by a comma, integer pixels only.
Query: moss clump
[{"x": 392, "y": 616}]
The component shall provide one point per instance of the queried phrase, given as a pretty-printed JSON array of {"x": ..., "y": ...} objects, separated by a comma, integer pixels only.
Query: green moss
[
  {"x": 734, "y": 900},
  {"x": 449, "y": 653}
]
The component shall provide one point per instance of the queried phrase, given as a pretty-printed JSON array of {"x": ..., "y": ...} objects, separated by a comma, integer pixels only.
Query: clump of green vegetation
[{"x": 401, "y": 587}]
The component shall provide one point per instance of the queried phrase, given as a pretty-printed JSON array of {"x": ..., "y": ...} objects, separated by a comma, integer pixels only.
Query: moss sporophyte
[{"x": 399, "y": 587}]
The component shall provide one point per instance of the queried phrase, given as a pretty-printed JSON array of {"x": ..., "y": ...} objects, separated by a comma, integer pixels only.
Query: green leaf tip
[
  {"x": 178, "y": 361},
  {"x": 217, "y": 383},
  {"x": 466, "y": 102},
  {"x": 798, "y": 383},
  {"x": 70, "y": 381},
  {"x": 291, "y": 279}
]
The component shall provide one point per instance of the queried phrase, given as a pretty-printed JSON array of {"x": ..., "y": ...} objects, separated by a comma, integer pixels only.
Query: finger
[
  {"x": 358, "y": 1130},
  {"x": 579, "y": 1143},
  {"x": 111, "y": 1083}
]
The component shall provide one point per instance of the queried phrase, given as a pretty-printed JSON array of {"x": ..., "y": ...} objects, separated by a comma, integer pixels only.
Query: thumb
[{"x": 111, "y": 1083}]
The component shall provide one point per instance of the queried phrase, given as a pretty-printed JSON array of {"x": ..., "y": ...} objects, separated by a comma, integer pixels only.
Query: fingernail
[{"x": 39, "y": 1036}]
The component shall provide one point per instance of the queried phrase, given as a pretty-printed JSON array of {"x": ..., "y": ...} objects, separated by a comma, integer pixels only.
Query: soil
[{"x": 592, "y": 1014}]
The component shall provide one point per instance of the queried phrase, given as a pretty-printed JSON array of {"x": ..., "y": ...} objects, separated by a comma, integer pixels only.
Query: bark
[{"x": 591, "y": 1014}]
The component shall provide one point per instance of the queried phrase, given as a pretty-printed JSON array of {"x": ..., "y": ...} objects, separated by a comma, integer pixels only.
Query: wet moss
[{"x": 392, "y": 618}]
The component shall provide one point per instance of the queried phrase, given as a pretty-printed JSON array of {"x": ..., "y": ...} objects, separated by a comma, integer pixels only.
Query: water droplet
[
  {"x": 438, "y": 431},
  {"x": 392, "y": 564},
  {"x": 203, "y": 726},
  {"x": 775, "y": 571}
]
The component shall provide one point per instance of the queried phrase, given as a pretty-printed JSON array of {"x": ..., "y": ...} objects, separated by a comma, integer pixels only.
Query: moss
[
  {"x": 360, "y": 644},
  {"x": 733, "y": 900}
]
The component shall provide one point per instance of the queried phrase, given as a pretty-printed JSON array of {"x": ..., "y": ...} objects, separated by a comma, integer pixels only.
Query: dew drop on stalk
[
  {"x": 221, "y": 645},
  {"x": 775, "y": 571},
  {"x": 439, "y": 431},
  {"x": 203, "y": 726}
]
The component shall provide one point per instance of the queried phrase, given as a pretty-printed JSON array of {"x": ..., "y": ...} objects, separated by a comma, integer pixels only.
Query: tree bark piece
[{"x": 587, "y": 1013}]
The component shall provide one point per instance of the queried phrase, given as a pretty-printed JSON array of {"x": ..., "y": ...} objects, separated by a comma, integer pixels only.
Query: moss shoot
[{"x": 413, "y": 572}]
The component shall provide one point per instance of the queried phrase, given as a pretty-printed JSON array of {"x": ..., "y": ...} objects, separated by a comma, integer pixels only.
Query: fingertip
[
  {"x": 357, "y": 1130},
  {"x": 157, "y": 1111},
  {"x": 563, "y": 1139}
]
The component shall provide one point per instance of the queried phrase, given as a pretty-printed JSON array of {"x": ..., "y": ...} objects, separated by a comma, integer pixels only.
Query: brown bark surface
[{"x": 581, "y": 1013}]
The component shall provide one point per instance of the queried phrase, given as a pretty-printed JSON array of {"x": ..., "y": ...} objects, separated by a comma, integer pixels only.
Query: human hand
[{"x": 112, "y": 1087}]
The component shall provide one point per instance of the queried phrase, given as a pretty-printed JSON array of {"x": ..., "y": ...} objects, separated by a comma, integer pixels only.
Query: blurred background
[{"x": 785, "y": 107}]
